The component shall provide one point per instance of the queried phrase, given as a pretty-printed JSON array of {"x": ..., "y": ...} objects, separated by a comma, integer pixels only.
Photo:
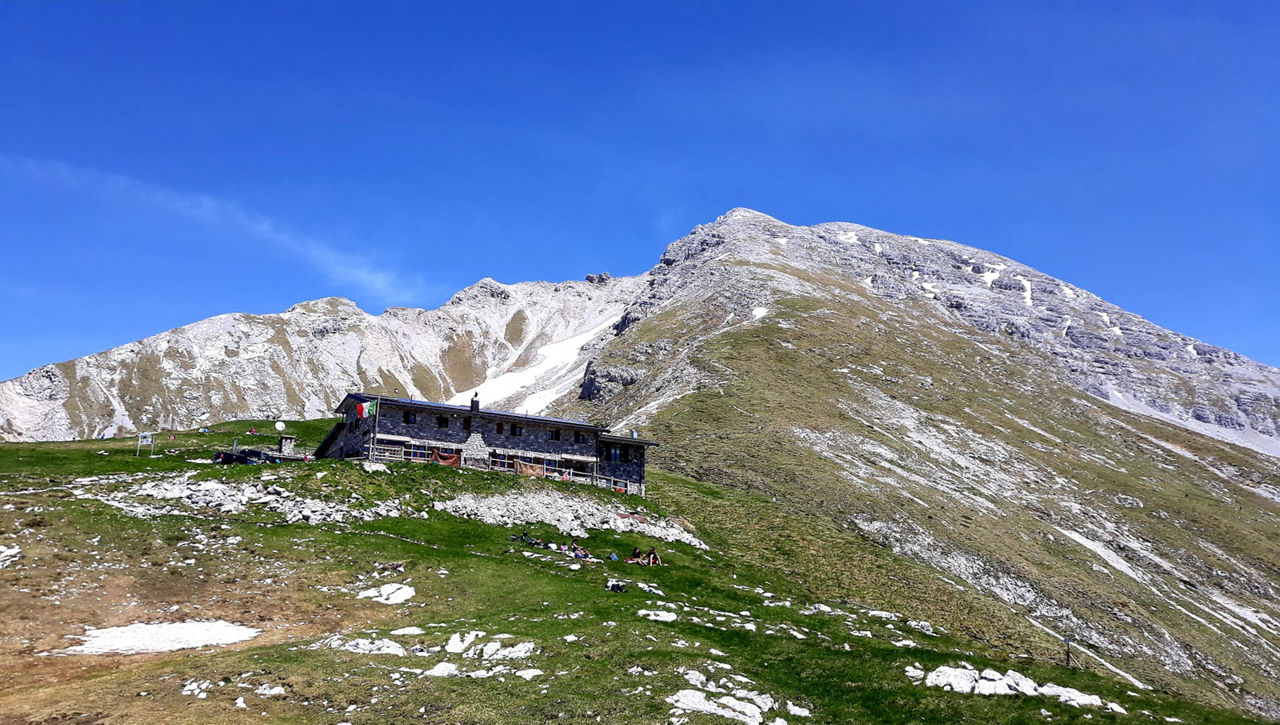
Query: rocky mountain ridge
[
  {"x": 1096, "y": 346},
  {"x": 527, "y": 345}
]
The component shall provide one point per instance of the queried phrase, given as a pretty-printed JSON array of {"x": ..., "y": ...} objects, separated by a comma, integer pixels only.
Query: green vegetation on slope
[
  {"x": 85, "y": 563},
  {"x": 871, "y": 421}
]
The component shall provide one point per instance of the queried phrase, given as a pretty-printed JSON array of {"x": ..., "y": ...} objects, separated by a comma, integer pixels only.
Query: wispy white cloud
[{"x": 333, "y": 263}]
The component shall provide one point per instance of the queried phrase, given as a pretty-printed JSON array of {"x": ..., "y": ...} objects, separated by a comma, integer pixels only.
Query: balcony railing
[{"x": 383, "y": 453}]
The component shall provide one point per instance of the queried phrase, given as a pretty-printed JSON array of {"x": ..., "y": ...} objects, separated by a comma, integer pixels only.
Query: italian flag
[{"x": 364, "y": 410}]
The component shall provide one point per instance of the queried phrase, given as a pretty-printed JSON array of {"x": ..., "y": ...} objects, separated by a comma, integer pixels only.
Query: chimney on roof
[
  {"x": 475, "y": 402},
  {"x": 634, "y": 434}
]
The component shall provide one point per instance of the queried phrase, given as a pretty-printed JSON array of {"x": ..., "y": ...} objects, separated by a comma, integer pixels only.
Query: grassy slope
[
  {"x": 846, "y": 364},
  {"x": 81, "y": 458},
  {"x": 88, "y": 564}
]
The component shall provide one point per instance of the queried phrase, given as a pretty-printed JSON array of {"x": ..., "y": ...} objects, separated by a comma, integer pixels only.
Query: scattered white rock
[
  {"x": 571, "y": 515},
  {"x": 442, "y": 669},
  {"x": 361, "y": 646},
  {"x": 952, "y": 679},
  {"x": 657, "y": 616},
  {"x": 9, "y": 554},
  {"x": 459, "y": 642},
  {"x": 406, "y": 631},
  {"x": 230, "y": 497},
  {"x": 388, "y": 593},
  {"x": 495, "y": 651},
  {"x": 732, "y": 700},
  {"x": 794, "y": 709},
  {"x": 990, "y": 682},
  {"x": 1070, "y": 696},
  {"x": 373, "y": 467},
  {"x": 922, "y": 626},
  {"x": 686, "y": 701}
]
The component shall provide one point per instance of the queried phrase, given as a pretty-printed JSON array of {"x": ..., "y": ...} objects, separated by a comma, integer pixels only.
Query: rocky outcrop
[
  {"x": 602, "y": 380},
  {"x": 572, "y": 515}
]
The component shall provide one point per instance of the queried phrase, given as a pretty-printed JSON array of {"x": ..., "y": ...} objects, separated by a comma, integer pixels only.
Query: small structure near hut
[{"x": 380, "y": 428}]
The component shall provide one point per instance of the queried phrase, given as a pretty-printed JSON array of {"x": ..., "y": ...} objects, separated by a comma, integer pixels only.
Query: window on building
[
  {"x": 410, "y": 417},
  {"x": 553, "y": 434},
  {"x": 442, "y": 421},
  {"x": 466, "y": 423},
  {"x": 499, "y": 429},
  {"x": 517, "y": 430},
  {"x": 626, "y": 454},
  {"x": 615, "y": 454},
  {"x": 579, "y": 437}
]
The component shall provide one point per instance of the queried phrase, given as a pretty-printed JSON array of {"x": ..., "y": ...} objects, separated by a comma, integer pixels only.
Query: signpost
[{"x": 146, "y": 439}]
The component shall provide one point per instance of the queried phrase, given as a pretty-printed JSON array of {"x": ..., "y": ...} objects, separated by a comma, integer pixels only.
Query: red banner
[{"x": 446, "y": 459}]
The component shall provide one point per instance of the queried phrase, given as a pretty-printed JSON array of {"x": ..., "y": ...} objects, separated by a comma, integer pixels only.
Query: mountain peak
[
  {"x": 326, "y": 306},
  {"x": 747, "y": 228},
  {"x": 742, "y": 213},
  {"x": 485, "y": 288}
]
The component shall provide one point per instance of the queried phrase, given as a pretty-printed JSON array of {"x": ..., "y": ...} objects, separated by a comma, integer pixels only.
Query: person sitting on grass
[
  {"x": 635, "y": 557},
  {"x": 652, "y": 558},
  {"x": 525, "y": 538}
]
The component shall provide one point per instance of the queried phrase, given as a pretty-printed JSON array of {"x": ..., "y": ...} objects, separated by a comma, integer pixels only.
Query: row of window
[
  {"x": 517, "y": 430},
  {"x": 442, "y": 421},
  {"x": 416, "y": 451}
]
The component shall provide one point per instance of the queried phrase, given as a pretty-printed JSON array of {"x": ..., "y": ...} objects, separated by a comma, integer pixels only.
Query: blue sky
[{"x": 164, "y": 162}]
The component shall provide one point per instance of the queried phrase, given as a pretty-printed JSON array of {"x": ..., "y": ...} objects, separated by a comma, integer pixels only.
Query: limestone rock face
[
  {"x": 301, "y": 362},
  {"x": 602, "y": 381},
  {"x": 1092, "y": 345},
  {"x": 527, "y": 345}
]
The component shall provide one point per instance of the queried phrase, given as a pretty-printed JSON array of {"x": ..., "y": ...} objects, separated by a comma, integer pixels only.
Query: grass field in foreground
[{"x": 85, "y": 563}]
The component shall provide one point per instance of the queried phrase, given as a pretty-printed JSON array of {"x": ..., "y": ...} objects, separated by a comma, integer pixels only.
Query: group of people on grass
[
  {"x": 573, "y": 549},
  {"x": 578, "y": 551},
  {"x": 649, "y": 558}
]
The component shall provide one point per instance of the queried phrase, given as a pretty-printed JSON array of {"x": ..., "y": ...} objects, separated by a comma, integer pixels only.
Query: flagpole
[{"x": 377, "y": 411}]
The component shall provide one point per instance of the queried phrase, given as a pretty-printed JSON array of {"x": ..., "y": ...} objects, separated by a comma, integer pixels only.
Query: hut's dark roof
[
  {"x": 618, "y": 438},
  {"x": 449, "y": 408}
]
